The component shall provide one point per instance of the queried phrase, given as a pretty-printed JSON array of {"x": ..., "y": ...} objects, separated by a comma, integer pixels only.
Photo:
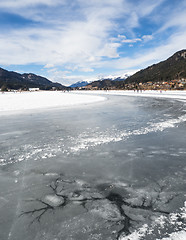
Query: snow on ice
[{"x": 11, "y": 102}]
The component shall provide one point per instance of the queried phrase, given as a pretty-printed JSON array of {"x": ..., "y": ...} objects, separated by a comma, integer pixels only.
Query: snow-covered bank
[
  {"x": 14, "y": 102},
  {"x": 159, "y": 94},
  {"x": 11, "y": 102}
]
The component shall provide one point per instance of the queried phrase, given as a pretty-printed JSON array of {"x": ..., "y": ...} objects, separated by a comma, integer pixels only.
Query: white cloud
[
  {"x": 124, "y": 39},
  {"x": 176, "y": 19},
  {"x": 80, "y": 36},
  {"x": 147, "y": 38},
  {"x": 133, "y": 20},
  {"x": 68, "y": 80},
  {"x": 49, "y": 65},
  {"x": 131, "y": 40},
  {"x": 52, "y": 70},
  {"x": 66, "y": 41},
  {"x": 146, "y": 8},
  {"x": 110, "y": 50},
  {"x": 27, "y": 3},
  {"x": 86, "y": 40},
  {"x": 145, "y": 58},
  {"x": 86, "y": 69},
  {"x": 122, "y": 36}
]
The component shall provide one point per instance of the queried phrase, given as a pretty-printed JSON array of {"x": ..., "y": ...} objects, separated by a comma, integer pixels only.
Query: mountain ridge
[
  {"x": 14, "y": 80},
  {"x": 172, "y": 68}
]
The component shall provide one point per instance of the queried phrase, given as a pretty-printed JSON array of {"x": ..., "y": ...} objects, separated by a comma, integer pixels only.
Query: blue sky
[{"x": 71, "y": 40}]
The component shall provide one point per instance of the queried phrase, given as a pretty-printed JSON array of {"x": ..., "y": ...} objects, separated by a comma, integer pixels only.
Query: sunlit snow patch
[
  {"x": 176, "y": 222},
  {"x": 13, "y": 102}
]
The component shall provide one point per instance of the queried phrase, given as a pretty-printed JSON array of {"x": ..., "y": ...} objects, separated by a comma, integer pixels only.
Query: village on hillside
[{"x": 177, "y": 84}]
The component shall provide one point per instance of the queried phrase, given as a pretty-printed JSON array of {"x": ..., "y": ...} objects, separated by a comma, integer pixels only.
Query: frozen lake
[{"x": 107, "y": 170}]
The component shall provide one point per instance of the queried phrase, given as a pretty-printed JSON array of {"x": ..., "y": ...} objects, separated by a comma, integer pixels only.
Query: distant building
[{"x": 33, "y": 89}]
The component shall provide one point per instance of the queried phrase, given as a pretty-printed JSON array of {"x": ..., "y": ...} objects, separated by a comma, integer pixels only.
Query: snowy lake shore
[
  {"x": 149, "y": 93},
  {"x": 19, "y": 101}
]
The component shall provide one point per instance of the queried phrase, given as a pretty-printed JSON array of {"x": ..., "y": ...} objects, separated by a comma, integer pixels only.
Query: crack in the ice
[{"x": 65, "y": 191}]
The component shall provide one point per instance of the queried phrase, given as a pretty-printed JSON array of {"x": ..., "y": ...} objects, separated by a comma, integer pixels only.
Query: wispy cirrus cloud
[
  {"x": 91, "y": 36},
  {"x": 14, "y": 4},
  {"x": 75, "y": 42},
  {"x": 134, "y": 40},
  {"x": 147, "y": 38}
]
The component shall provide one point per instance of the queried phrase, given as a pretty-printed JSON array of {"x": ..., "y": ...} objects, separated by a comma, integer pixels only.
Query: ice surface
[
  {"x": 106, "y": 210},
  {"x": 174, "y": 221},
  {"x": 53, "y": 200},
  {"x": 88, "y": 139},
  {"x": 92, "y": 202}
]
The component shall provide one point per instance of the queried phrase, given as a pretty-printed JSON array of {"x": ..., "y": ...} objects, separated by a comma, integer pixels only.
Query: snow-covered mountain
[
  {"x": 110, "y": 77},
  {"x": 79, "y": 84},
  {"x": 118, "y": 77}
]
